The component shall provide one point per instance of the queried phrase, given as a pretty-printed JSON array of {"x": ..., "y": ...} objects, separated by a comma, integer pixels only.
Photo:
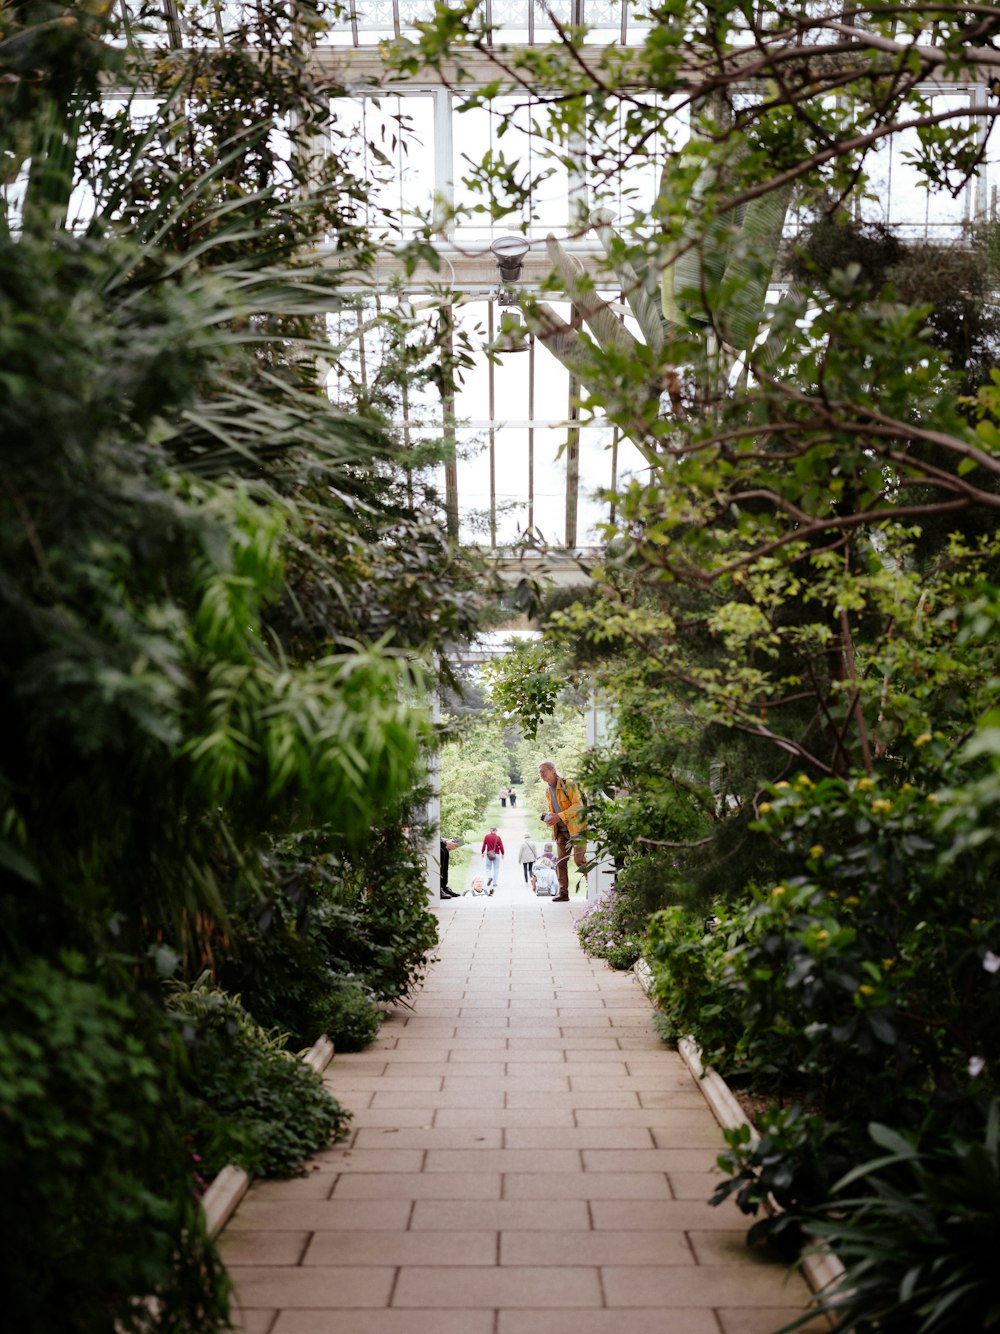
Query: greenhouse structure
[{"x": 500, "y": 620}]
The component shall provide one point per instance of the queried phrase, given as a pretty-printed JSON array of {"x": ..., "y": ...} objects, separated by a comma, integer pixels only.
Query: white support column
[
  {"x": 444, "y": 158},
  {"x": 600, "y": 878}
]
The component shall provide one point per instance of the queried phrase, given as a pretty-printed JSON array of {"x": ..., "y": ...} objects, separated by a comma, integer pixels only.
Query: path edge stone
[
  {"x": 232, "y": 1183},
  {"x": 820, "y": 1266}
]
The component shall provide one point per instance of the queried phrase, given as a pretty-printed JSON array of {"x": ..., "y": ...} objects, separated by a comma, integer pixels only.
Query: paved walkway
[{"x": 526, "y": 1157}]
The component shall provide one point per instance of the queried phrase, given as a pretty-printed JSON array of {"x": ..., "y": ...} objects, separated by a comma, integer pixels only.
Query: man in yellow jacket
[{"x": 565, "y": 818}]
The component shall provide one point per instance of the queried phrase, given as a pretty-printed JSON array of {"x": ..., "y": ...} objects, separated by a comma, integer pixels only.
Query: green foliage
[
  {"x": 875, "y": 956},
  {"x": 475, "y": 764},
  {"x": 525, "y": 684},
  {"x": 796, "y": 1156},
  {"x": 177, "y": 693},
  {"x": 916, "y": 1229},
  {"x": 612, "y": 929},
  {"x": 249, "y": 1101},
  {"x": 347, "y": 1013},
  {"x": 92, "y": 1146},
  {"x": 689, "y": 964},
  {"x": 334, "y": 938}
]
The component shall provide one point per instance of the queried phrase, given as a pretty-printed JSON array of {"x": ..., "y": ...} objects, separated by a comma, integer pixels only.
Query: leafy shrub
[
  {"x": 794, "y": 1158},
  {"x": 92, "y": 1153},
  {"x": 690, "y": 983},
  {"x": 919, "y": 1241},
  {"x": 334, "y": 938},
  {"x": 864, "y": 985},
  {"x": 250, "y": 1101},
  {"x": 611, "y": 929},
  {"x": 348, "y": 1014},
  {"x": 876, "y": 956}
]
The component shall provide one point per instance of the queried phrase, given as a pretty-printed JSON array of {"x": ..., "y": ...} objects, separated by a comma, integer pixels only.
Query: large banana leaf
[
  {"x": 750, "y": 268},
  {"x": 607, "y": 328},
  {"x": 633, "y": 286}
]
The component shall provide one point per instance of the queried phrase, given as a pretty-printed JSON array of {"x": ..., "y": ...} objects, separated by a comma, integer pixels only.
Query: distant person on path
[
  {"x": 503, "y": 797},
  {"x": 448, "y": 846},
  {"x": 492, "y": 850},
  {"x": 564, "y": 818},
  {"x": 544, "y": 881},
  {"x": 513, "y": 797},
  {"x": 527, "y": 855}
]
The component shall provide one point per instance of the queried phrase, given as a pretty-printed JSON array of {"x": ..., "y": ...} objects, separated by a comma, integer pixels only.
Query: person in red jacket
[{"x": 492, "y": 850}]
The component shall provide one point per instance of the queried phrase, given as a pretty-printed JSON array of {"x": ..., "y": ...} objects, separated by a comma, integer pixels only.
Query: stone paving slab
[{"x": 525, "y": 1157}]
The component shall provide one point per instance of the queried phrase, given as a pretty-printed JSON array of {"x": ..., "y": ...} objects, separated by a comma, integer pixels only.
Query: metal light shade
[{"x": 509, "y": 252}]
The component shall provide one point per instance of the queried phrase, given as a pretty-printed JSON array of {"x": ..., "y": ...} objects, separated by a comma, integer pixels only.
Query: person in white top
[
  {"x": 527, "y": 856},
  {"x": 544, "y": 881}
]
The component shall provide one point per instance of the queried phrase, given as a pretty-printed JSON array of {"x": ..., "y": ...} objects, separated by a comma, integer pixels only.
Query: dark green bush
[
  {"x": 796, "y": 1157},
  {"x": 334, "y": 939},
  {"x": 872, "y": 958},
  {"x": 864, "y": 986},
  {"x": 348, "y": 1015},
  {"x": 93, "y": 1153},
  {"x": 693, "y": 995},
  {"x": 250, "y": 1101},
  {"x": 917, "y": 1229}
]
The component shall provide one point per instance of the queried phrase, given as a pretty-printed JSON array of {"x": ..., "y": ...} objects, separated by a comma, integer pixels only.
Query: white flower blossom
[
  {"x": 976, "y": 1066},
  {"x": 991, "y": 961}
]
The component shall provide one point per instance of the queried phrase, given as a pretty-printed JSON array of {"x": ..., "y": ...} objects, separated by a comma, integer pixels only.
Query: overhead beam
[{"x": 470, "y": 269}]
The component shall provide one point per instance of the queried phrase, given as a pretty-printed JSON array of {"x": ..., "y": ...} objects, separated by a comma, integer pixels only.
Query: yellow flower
[
  {"x": 833, "y": 894},
  {"x": 764, "y": 808},
  {"x": 880, "y": 806},
  {"x": 816, "y": 850},
  {"x": 866, "y": 990},
  {"x": 865, "y": 784},
  {"x": 777, "y": 892},
  {"x": 804, "y": 781},
  {"x": 852, "y": 901},
  {"x": 822, "y": 935},
  {"x": 888, "y": 963},
  {"x": 781, "y": 786},
  {"x": 907, "y": 787},
  {"x": 923, "y": 739}
]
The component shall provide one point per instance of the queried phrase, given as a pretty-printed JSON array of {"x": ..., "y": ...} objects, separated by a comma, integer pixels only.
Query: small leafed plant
[
  {"x": 610, "y": 930},
  {"x": 249, "y": 1101}
]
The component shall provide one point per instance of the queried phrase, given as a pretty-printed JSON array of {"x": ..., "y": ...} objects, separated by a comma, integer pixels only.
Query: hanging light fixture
[{"x": 509, "y": 253}]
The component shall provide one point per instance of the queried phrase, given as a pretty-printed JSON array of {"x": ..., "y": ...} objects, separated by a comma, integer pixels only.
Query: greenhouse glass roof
[{"x": 528, "y": 465}]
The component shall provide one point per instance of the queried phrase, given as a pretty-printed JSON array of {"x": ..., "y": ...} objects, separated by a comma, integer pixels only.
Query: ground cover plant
[
  {"x": 612, "y": 928},
  {"x": 248, "y": 1099}
]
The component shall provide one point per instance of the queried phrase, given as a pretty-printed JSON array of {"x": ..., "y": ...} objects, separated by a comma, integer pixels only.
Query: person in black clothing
[
  {"x": 513, "y": 797},
  {"x": 448, "y": 846}
]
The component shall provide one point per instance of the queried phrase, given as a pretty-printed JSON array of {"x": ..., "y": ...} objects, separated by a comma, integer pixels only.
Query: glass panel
[
  {"x": 550, "y": 484},
  {"x": 897, "y": 197},
  {"x": 595, "y": 476},
  {"x": 393, "y": 141},
  {"x": 511, "y": 128}
]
